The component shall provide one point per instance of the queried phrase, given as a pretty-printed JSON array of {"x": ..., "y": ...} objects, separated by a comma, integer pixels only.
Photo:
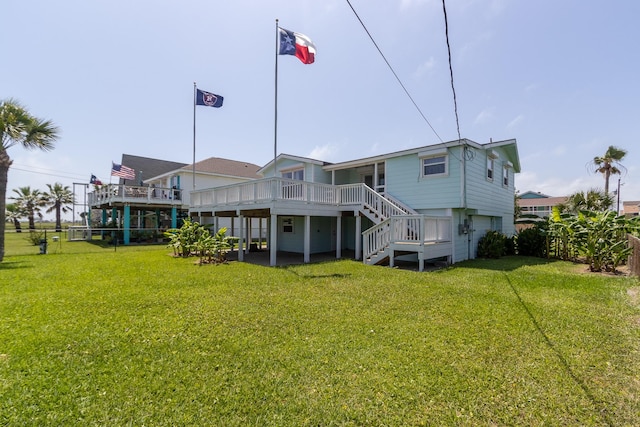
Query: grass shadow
[
  {"x": 12, "y": 265},
  {"x": 506, "y": 263}
]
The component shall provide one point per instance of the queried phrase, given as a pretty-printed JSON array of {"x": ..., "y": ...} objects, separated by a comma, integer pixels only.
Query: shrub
[
  {"x": 35, "y": 237},
  {"x": 492, "y": 245},
  {"x": 532, "y": 242}
]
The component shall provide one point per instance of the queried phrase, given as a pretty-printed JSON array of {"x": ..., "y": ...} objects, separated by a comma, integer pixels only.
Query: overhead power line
[
  {"x": 453, "y": 88},
  {"x": 48, "y": 172},
  {"x": 393, "y": 71}
]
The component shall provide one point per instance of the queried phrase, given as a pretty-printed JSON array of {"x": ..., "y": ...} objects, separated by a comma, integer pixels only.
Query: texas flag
[{"x": 297, "y": 44}]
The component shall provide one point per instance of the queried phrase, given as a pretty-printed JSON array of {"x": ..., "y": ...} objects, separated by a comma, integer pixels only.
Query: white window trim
[
  {"x": 505, "y": 175},
  {"x": 288, "y": 221},
  {"x": 491, "y": 166},
  {"x": 292, "y": 170},
  {"x": 433, "y": 156}
]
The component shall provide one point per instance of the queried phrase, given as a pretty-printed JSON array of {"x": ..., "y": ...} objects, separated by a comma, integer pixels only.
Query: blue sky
[{"x": 117, "y": 77}]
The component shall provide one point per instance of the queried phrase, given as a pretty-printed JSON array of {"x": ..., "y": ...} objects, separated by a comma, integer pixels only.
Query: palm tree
[
  {"x": 14, "y": 214},
  {"x": 19, "y": 127},
  {"x": 30, "y": 202},
  {"x": 609, "y": 164},
  {"x": 593, "y": 200},
  {"x": 59, "y": 198}
]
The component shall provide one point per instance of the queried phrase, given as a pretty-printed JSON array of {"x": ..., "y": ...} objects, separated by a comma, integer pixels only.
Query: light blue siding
[{"x": 405, "y": 182}]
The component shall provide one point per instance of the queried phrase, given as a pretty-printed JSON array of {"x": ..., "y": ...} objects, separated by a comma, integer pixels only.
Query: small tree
[
  {"x": 19, "y": 127},
  {"x": 14, "y": 214},
  {"x": 59, "y": 197},
  {"x": 183, "y": 240},
  {"x": 609, "y": 164},
  {"x": 30, "y": 202},
  {"x": 195, "y": 239}
]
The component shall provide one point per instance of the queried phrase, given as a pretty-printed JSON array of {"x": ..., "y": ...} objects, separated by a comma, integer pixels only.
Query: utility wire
[
  {"x": 453, "y": 88},
  {"x": 396, "y": 75}
]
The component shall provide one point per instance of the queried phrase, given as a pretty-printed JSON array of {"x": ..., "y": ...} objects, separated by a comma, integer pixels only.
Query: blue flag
[{"x": 208, "y": 99}]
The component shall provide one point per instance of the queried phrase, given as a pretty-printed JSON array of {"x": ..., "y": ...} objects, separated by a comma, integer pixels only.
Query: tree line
[{"x": 30, "y": 203}]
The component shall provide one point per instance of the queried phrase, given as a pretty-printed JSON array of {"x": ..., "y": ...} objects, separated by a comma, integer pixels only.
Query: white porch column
[
  {"x": 248, "y": 228},
  {"x": 421, "y": 260},
  {"x": 216, "y": 223},
  {"x": 241, "y": 239},
  {"x": 358, "y": 236},
  {"x": 307, "y": 238},
  {"x": 260, "y": 233},
  {"x": 339, "y": 237},
  {"x": 273, "y": 240},
  {"x": 375, "y": 177}
]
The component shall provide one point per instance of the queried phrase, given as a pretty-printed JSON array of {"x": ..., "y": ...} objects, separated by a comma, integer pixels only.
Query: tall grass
[{"x": 126, "y": 336}]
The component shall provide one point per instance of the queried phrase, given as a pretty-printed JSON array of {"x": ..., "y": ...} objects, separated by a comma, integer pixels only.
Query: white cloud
[
  {"x": 484, "y": 116},
  {"x": 328, "y": 152},
  {"x": 425, "y": 67},
  {"x": 515, "y": 122}
]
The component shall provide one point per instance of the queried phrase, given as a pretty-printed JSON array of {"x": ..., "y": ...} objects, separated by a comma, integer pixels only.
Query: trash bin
[{"x": 43, "y": 246}]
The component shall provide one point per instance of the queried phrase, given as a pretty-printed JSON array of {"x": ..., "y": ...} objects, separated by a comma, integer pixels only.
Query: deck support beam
[
  {"x": 338, "y": 237},
  {"x": 307, "y": 238},
  {"x": 241, "y": 239},
  {"x": 273, "y": 240},
  {"x": 358, "y": 254},
  {"x": 127, "y": 224}
]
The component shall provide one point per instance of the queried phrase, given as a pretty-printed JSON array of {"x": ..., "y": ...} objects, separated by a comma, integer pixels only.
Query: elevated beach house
[
  {"x": 426, "y": 203},
  {"x": 159, "y": 196}
]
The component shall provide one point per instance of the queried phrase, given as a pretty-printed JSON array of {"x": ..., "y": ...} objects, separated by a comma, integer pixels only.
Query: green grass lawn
[{"x": 97, "y": 335}]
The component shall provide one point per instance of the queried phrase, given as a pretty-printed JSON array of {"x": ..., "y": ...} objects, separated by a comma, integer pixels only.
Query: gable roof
[
  {"x": 533, "y": 195},
  {"x": 148, "y": 167},
  {"x": 542, "y": 201},
  {"x": 292, "y": 157},
  {"x": 227, "y": 167}
]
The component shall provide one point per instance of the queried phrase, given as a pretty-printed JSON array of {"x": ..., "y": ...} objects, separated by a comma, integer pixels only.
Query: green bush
[
  {"x": 35, "y": 237},
  {"x": 532, "y": 242},
  {"x": 492, "y": 245}
]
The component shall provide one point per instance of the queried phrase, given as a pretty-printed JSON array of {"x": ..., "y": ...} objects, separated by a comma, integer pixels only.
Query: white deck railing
[
  {"x": 281, "y": 189},
  {"x": 120, "y": 193},
  {"x": 419, "y": 230}
]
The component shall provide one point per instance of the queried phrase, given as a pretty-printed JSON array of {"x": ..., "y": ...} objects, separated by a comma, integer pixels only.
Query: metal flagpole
[
  {"x": 275, "y": 119},
  {"x": 194, "y": 136}
]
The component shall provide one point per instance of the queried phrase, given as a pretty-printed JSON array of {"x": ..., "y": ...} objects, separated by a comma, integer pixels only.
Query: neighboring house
[
  {"x": 432, "y": 202},
  {"x": 631, "y": 209},
  {"x": 532, "y": 203},
  {"x": 159, "y": 196}
]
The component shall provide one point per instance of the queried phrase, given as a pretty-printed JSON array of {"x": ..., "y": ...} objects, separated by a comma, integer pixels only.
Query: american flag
[{"x": 122, "y": 171}]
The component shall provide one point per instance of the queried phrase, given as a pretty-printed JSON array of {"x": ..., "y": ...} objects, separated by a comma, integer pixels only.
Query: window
[
  {"x": 491, "y": 156},
  {"x": 505, "y": 176},
  {"x": 297, "y": 174},
  {"x": 287, "y": 224},
  {"x": 432, "y": 166},
  {"x": 490, "y": 168}
]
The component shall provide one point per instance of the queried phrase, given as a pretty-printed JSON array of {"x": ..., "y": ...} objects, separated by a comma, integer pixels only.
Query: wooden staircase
[{"x": 396, "y": 231}]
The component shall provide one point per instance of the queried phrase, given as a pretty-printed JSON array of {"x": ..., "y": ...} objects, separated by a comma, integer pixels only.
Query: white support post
[
  {"x": 241, "y": 239},
  {"x": 339, "y": 236},
  {"x": 249, "y": 230},
  {"x": 358, "y": 236},
  {"x": 307, "y": 238},
  {"x": 273, "y": 240}
]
